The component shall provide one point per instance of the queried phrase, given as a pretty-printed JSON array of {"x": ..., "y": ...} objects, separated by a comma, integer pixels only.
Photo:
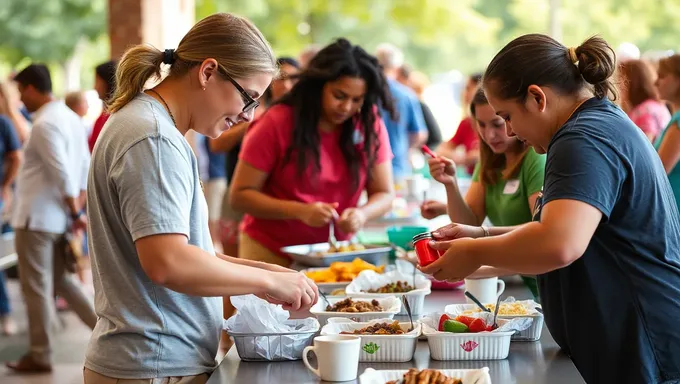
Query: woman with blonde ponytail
[{"x": 158, "y": 281}]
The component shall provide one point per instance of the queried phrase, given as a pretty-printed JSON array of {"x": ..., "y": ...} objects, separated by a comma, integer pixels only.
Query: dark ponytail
[{"x": 541, "y": 60}]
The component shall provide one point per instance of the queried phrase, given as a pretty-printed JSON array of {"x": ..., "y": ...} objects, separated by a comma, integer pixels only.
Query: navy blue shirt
[
  {"x": 9, "y": 141},
  {"x": 216, "y": 162},
  {"x": 615, "y": 310}
]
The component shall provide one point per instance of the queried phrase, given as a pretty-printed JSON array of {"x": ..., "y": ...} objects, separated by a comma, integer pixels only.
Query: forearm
[
  {"x": 497, "y": 231},
  {"x": 378, "y": 205},
  {"x": 254, "y": 263},
  {"x": 262, "y": 206},
  {"x": 228, "y": 139},
  {"x": 193, "y": 271},
  {"x": 11, "y": 174},
  {"x": 457, "y": 208},
  {"x": 73, "y": 204},
  {"x": 530, "y": 249},
  {"x": 486, "y": 272}
]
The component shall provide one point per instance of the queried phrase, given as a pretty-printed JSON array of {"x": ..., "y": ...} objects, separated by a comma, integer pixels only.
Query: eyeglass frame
[{"x": 250, "y": 103}]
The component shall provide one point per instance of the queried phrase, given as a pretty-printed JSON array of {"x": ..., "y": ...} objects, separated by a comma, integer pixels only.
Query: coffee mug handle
[
  {"x": 501, "y": 287},
  {"x": 305, "y": 352}
]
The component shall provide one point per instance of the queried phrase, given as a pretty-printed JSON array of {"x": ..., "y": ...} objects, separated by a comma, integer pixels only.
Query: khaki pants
[
  {"x": 92, "y": 377},
  {"x": 250, "y": 249},
  {"x": 42, "y": 272}
]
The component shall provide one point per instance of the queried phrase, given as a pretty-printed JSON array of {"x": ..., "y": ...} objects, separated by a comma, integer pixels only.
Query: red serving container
[{"x": 426, "y": 254}]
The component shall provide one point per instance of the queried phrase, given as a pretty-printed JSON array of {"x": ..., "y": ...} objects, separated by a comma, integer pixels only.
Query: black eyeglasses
[{"x": 249, "y": 102}]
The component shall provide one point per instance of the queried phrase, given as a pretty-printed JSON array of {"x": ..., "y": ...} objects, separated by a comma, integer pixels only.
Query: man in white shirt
[{"x": 48, "y": 204}]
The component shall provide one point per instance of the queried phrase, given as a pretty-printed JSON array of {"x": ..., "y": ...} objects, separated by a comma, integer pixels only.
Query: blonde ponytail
[
  {"x": 234, "y": 42},
  {"x": 139, "y": 64}
]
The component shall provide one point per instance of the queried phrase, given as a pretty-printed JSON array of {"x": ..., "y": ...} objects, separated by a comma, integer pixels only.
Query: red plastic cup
[{"x": 426, "y": 254}]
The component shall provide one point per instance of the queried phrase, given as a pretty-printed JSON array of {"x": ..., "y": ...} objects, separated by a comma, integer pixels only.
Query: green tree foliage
[{"x": 47, "y": 30}]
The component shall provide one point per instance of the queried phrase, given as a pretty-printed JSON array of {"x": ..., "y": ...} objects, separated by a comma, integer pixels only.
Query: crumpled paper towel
[{"x": 258, "y": 326}]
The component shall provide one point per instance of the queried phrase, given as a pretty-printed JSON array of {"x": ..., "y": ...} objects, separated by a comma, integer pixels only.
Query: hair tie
[
  {"x": 573, "y": 57},
  {"x": 169, "y": 56}
]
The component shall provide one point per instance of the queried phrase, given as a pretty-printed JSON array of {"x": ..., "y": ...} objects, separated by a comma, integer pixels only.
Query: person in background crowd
[
  {"x": 105, "y": 85},
  {"x": 77, "y": 102},
  {"x": 49, "y": 188},
  {"x": 640, "y": 98},
  {"x": 418, "y": 82},
  {"x": 668, "y": 143},
  {"x": 463, "y": 148},
  {"x": 215, "y": 186},
  {"x": 155, "y": 241},
  {"x": 10, "y": 159},
  {"x": 230, "y": 142},
  {"x": 307, "y": 160},
  {"x": 505, "y": 184},
  {"x": 12, "y": 108},
  {"x": 407, "y": 127},
  {"x": 308, "y": 54},
  {"x": 606, "y": 246}
]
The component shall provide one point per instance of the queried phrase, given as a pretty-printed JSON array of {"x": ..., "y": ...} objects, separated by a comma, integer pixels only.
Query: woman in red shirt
[
  {"x": 105, "y": 85},
  {"x": 307, "y": 160}
]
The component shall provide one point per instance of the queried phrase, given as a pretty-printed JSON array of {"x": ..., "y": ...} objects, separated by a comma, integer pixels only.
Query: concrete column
[{"x": 161, "y": 23}]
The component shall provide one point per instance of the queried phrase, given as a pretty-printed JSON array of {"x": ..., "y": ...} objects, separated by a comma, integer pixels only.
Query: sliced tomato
[
  {"x": 478, "y": 325},
  {"x": 467, "y": 320}
]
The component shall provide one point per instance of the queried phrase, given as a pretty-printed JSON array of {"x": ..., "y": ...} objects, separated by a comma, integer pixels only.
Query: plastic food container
[
  {"x": 370, "y": 280},
  {"x": 426, "y": 254},
  {"x": 391, "y": 305},
  {"x": 468, "y": 376},
  {"x": 533, "y": 333},
  {"x": 272, "y": 346},
  {"x": 466, "y": 346},
  {"x": 379, "y": 348}
]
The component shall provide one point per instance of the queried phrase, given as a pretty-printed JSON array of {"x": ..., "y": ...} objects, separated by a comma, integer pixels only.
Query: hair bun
[{"x": 596, "y": 60}]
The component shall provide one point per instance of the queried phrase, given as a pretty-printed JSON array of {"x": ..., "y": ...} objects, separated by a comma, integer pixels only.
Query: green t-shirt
[
  {"x": 507, "y": 201},
  {"x": 674, "y": 175}
]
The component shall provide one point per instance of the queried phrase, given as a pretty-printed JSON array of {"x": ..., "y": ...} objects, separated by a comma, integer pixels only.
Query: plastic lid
[{"x": 422, "y": 236}]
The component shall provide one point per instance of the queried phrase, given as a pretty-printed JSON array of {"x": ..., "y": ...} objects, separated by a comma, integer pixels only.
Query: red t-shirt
[
  {"x": 97, "y": 129},
  {"x": 265, "y": 146},
  {"x": 467, "y": 137}
]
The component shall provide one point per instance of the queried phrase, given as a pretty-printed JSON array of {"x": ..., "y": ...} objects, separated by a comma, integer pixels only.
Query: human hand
[
  {"x": 79, "y": 224},
  {"x": 455, "y": 264},
  {"x": 430, "y": 209},
  {"x": 6, "y": 198},
  {"x": 443, "y": 170},
  {"x": 352, "y": 220},
  {"x": 457, "y": 231},
  {"x": 318, "y": 214},
  {"x": 294, "y": 291}
]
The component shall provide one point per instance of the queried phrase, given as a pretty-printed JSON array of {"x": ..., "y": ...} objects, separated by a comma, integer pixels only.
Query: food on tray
[
  {"x": 398, "y": 287},
  {"x": 342, "y": 271},
  {"x": 348, "y": 305},
  {"x": 506, "y": 309},
  {"x": 463, "y": 324},
  {"x": 341, "y": 249},
  {"x": 426, "y": 376},
  {"x": 378, "y": 329},
  {"x": 338, "y": 292}
]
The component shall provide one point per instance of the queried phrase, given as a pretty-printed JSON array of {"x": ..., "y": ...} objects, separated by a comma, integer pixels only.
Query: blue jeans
[{"x": 4, "y": 297}]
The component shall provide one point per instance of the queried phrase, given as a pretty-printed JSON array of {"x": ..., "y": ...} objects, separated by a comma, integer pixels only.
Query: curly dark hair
[{"x": 337, "y": 60}]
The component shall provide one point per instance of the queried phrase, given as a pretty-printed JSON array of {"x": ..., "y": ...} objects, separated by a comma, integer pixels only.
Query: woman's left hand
[
  {"x": 454, "y": 265},
  {"x": 352, "y": 220}
]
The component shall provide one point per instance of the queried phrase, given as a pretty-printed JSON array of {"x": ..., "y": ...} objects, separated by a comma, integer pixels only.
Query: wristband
[
  {"x": 486, "y": 231},
  {"x": 76, "y": 216}
]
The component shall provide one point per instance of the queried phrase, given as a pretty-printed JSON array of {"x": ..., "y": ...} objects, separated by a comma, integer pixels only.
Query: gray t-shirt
[{"x": 144, "y": 181}]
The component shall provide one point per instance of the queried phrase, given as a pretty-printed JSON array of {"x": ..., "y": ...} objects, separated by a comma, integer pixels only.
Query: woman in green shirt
[
  {"x": 668, "y": 143},
  {"x": 505, "y": 183}
]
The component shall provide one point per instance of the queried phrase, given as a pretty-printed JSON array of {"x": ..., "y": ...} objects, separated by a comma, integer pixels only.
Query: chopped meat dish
[
  {"x": 426, "y": 376},
  {"x": 398, "y": 287},
  {"x": 378, "y": 329},
  {"x": 347, "y": 305}
]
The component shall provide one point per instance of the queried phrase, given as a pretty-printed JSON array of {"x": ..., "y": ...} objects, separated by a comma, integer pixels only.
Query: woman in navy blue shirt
[{"x": 606, "y": 242}]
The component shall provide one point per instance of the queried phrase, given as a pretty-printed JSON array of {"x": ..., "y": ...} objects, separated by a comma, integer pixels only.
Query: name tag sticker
[{"x": 511, "y": 186}]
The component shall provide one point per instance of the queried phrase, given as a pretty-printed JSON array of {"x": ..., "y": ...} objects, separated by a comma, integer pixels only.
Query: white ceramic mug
[
  {"x": 485, "y": 290},
  {"x": 336, "y": 355}
]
